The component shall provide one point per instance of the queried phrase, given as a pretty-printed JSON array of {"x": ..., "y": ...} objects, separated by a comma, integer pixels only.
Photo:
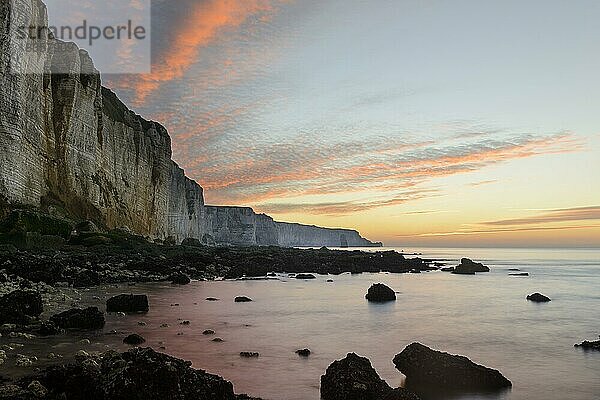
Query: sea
[{"x": 485, "y": 317}]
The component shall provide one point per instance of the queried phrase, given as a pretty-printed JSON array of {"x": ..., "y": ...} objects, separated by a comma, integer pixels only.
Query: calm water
[{"x": 484, "y": 317}]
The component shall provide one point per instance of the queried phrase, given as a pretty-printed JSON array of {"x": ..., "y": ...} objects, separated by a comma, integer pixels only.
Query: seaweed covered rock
[
  {"x": 354, "y": 378},
  {"x": 380, "y": 293},
  {"x": 423, "y": 366},
  {"x": 138, "y": 374},
  {"x": 20, "y": 307},
  {"x": 128, "y": 303},
  {"x": 90, "y": 318},
  {"x": 469, "y": 267}
]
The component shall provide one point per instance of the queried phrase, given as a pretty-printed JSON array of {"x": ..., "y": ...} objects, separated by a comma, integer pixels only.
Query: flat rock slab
[{"x": 424, "y": 366}]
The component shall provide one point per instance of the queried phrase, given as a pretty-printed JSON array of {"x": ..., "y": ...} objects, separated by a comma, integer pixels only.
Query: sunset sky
[{"x": 459, "y": 123}]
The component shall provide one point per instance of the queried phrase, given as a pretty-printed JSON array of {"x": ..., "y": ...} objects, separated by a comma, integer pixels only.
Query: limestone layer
[{"x": 69, "y": 146}]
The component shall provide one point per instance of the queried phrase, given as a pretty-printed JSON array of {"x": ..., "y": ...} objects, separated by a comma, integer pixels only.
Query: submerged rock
[
  {"x": 379, "y": 292},
  {"x": 249, "y": 354},
  {"x": 354, "y": 378},
  {"x": 20, "y": 307},
  {"x": 469, "y": 267},
  {"x": 130, "y": 303},
  {"x": 423, "y": 366},
  {"x": 134, "y": 339},
  {"x": 80, "y": 319},
  {"x": 538, "y": 298},
  {"x": 242, "y": 299},
  {"x": 519, "y": 274}
]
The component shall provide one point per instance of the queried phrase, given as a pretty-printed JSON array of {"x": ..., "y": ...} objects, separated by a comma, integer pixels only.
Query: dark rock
[
  {"x": 305, "y": 276},
  {"x": 329, "y": 280},
  {"x": 271, "y": 274},
  {"x": 138, "y": 374},
  {"x": 86, "y": 227},
  {"x": 191, "y": 242},
  {"x": 80, "y": 319},
  {"x": 20, "y": 307},
  {"x": 249, "y": 354},
  {"x": 447, "y": 269},
  {"x": 380, "y": 293},
  {"x": 353, "y": 378},
  {"x": 208, "y": 332},
  {"x": 179, "y": 279},
  {"x": 520, "y": 274},
  {"x": 129, "y": 303},
  {"x": 218, "y": 340},
  {"x": 86, "y": 278},
  {"x": 49, "y": 328},
  {"x": 589, "y": 345},
  {"x": 134, "y": 339},
  {"x": 538, "y": 298},
  {"x": 469, "y": 267},
  {"x": 514, "y": 269},
  {"x": 242, "y": 299},
  {"x": 423, "y": 366},
  {"x": 212, "y": 299},
  {"x": 303, "y": 352}
]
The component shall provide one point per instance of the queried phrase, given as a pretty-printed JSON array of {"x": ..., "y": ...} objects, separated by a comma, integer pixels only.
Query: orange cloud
[{"x": 206, "y": 21}]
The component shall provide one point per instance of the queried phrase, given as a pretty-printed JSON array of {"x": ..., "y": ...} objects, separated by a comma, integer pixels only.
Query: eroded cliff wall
[{"x": 68, "y": 145}]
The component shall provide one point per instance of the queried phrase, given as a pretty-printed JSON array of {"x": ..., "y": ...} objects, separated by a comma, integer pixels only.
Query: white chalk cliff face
[{"x": 70, "y": 146}]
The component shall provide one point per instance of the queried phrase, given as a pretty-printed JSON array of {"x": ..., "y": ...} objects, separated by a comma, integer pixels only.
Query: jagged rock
[
  {"x": 423, "y": 366},
  {"x": 138, "y": 374},
  {"x": 208, "y": 332},
  {"x": 179, "y": 279},
  {"x": 469, "y": 267},
  {"x": 90, "y": 318},
  {"x": 589, "y": 345},
  {"x": 380, "y": 293},
  {"x": 49, "y": 328},
  {"x": 134, "y": 339},
  {"x": 249, "y": 354},
  {"x": 129, "y": 303},
  {"x": 242, "y": 299},
  {"x": 20, "y": 307},
  {"x": 538, "y": 298},
  {"x": 354, "y": 378},
  {"x": 303, "y": 352},
  {"x": 305, "y": 276}
]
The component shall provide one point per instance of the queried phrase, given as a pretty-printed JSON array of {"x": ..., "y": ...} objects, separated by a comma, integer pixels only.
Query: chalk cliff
[{"x": 70, "y": 147}]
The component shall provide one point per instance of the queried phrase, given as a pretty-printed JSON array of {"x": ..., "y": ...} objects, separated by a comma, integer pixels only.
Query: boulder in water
[
  {"x": 179, "y": 278},
  {"x": 134, "y": 339},
  {"x": 538, "y": 298},
  {"x": 426, "y": 367},
  {"x": 242, "y": 299},
  {"x": 303, "y": 352},
  {"x": 380, "y": 293},
  {"x": 129, "y": 303},
  {"x": 354, "y": 378},
  {"x": 90, "y": 318},
  {"x": 589, "y": 345},
  {"x": 469, "y": 267}
]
